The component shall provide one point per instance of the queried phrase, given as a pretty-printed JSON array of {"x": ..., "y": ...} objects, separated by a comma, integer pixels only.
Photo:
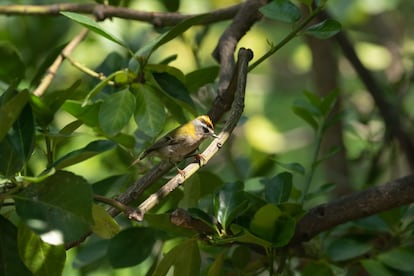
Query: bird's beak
[{"x": 214, "y": 135}]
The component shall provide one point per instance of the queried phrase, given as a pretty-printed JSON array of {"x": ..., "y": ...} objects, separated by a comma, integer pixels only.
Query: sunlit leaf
[
  {"x": 59, "y": 209},
  {"x": 103, "y": 224},
  {"x": 40, "y": 257}
]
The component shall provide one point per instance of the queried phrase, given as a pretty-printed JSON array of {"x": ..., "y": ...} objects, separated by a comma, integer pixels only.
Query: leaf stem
[
  {"x": 315, "y": 154},
  {"x": 288, "y": 38}
]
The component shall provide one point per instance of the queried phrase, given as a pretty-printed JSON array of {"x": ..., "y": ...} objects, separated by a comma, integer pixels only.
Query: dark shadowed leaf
[
  {"x": 10, "y": 111},
  {"x": 131, "y": 246},
  {"x": 229, "y": 204},
  {"x": 282, "y": 10},
  {"x": 116, "y": 111},
  {"x": 278, "y": 188},
  {"x": 89, "y": 23},
  {"x": 175, "y": 89},
  {"x": 325, "y": 29},
  {"x": 345, "y": 249},
  {"x": 375, "y": 267},
  {"x": 77, "y": 156},
  {"x": 10, "y": 263},
  {"x": 149, "y": 112},
  {"x": 185, "y": 258},
  {"x": 12, "y": 67},
  {"x": 399, "y": 259}
]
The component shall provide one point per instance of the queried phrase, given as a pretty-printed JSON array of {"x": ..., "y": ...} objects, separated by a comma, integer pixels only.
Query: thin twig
[{"x": 51, "y": 72}]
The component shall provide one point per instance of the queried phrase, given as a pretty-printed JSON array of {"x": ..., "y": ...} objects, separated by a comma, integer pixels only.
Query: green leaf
[
  {"x": 203, "y": 216},
  {"x": 77, "y": 156},
  {"x": 59, "y": 208},
  {"x": 10, "y": 264},
  {"x": 307, "y": 112},
  {"x": 282, "y": 10},
  {"x": 149, "y": 113},
  {"x": 278, "y": 188},
  {"x": 217, "y": 267},
  {"x": 293, "y": 167},
  {"x": 93, "y": 26},
  {"x": 317, "y": 268},
  {"x": 131, "y": 246},
  {"x": 146, "y": 51},
  {"x": 399, "y": 259},
  {"x": 10, "y": 111},
  {"x": 264, "y": 221},
  {"x": 185, "y": 258},
  {"x": 92, "y": 251},
  {"x": 196, "y": 79},
  {"x": 12, "y": 67},
  {"x": 104, "y": 225},
  {"x": 175, "y": 90},
  {"x": 54, "y": 100},
  {"x": 18, "y": 145},
  {"x": 271, "y": 224},
  {"x": 88, "y": 114},
  {"x": 242, "y": 235},
  {"x": 346, "y": 249},
  {"x": 329, "y": 101},
  {"x": 116, "y": 111},
  {"x": 43, "y": 114},
  {"x": 375, "y": 267},
  {"x": 324, "y": 29},
  {"x": 229, "y": 204},
  {"x": 40, "y": 257}
]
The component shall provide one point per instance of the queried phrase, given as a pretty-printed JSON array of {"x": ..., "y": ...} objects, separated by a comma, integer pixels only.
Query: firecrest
[{"x": 182, "y": 141}]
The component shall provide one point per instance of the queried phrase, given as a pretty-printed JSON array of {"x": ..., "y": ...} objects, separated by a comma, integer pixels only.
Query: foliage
[{"x": 49, "y": 205}]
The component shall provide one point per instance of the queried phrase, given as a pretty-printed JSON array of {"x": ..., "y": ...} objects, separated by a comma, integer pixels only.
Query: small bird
[{"x": 182, "y": 141}]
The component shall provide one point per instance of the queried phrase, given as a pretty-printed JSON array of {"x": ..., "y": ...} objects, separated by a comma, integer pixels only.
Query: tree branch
[
  {"x": 51, "y": 71},
  {"x": 355, "y": 206},
  {"x": 247, "y": 15},
  {"x": 101, "y": 12}
]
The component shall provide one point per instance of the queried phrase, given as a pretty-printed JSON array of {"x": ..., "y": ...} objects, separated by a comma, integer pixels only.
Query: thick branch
[
  {"x": 355, "y": 206},
  {"x": 224, "y": 51},
  {"x": 102, "y": 12}
]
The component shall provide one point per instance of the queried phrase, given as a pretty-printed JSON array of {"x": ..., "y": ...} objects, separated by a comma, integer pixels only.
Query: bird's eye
[{"x": 206, "y": 130}]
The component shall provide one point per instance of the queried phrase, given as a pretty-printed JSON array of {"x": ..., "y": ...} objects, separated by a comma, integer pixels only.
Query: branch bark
[
  {"x": 394, "y": 194},
  {"x": 101, "y": 12}
]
